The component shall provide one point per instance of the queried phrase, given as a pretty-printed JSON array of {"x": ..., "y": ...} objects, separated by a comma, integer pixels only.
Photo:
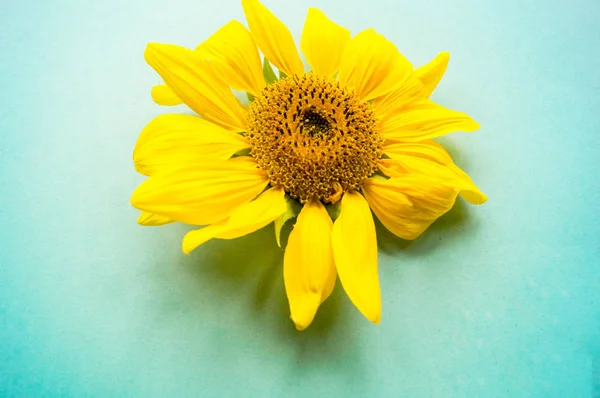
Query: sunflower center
[
  {"x": 314, "y": 138},
  {"x": 313, "y": 122}
]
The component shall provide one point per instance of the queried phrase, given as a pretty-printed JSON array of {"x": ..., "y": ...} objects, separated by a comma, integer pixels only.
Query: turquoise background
[{"x": 494, "y": 301}]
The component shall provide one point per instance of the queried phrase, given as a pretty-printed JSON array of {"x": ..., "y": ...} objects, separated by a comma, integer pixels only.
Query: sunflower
[{"x": 328, "y": 147}]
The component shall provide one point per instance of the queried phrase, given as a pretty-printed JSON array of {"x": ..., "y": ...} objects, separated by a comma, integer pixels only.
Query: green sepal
[
  {"x": 333, "y": 210},
  {"x": 378, "y": 175},
  {"x": 243, "y": 152},
  {"x": 293, "y": 208},
  {"x": 268, "y": 72},
  {"x": 282, "y": 74},
  {"x": 250, "y": 97}
]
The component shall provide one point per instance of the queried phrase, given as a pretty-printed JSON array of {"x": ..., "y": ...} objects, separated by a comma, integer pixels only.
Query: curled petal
[
  {"x": 431, "y": 159},
  {"x": 408, "y": 204},
  {"x": 152, "y": 220},
  {"x": 163, "y": 95}
]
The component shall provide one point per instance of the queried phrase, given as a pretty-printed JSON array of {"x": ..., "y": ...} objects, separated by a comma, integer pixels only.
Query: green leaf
[
  {"x": 268, "y": 72},
  {"x": 293, "y": 208},
  {"x": 250, "y": 97},
  {"x": 282, "y": 74}
]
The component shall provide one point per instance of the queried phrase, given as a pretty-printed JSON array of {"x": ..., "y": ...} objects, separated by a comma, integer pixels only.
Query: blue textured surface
[{"x": 494, "y": 301}]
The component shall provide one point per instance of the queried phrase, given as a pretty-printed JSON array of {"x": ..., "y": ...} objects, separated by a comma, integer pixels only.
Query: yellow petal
[
  {"x": 355, "y": 253},
  {"x": 308, "y": 269},
  {"x": 173, "y": 140},
  {"x": 202, "y": 192},
  {"x": 407, "y": 205},
  {"x": 431, "y": 159},
  {"x": 391, "y": 167},
  {"x": 424, "y": 119},
  {"x": 323, "y": 42},
  {"x": 196, "y": 237},
  {"x": 246, "y": 219},
  {"x": 254, "y": 215},
  {"x": 194, "y": 80},
  {"x": 273, "y": 38},
  {"x": 393, "y": 102},
  {"x": 420, "y": 84},
  {"x": 431, "y": 73},
  {"x": 152, "y": 220},
  {"x": 235, "y": 57},
  {"x": 163, "y": 95},
  {"x": 372, "y": 65}
]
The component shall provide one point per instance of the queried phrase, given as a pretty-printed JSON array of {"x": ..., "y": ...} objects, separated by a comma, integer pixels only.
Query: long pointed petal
[
  {"x": 203, "y": 192},
  {"x": 273, "y": 38},
  {"x": 423, "y": 119},
  {"x": 393, "y": 102},
  {"x": 420, "y": 84},
  {"x": 355, "y": 253},
  {"x": 372, "y": 65},
  {"x": 323, "y": 43},
  {"x": 171, "y": 140},
  {"x": 308, "y": 268},
  {"x": 235, "y": 57},
  {"x": 194, "y": 80},
  {"x": 246, "y": 219},
  {"x": 430, "y": 74}
]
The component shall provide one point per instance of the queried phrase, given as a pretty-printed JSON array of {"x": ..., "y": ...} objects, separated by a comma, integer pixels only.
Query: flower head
[{"x": 354, "y": 133}]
